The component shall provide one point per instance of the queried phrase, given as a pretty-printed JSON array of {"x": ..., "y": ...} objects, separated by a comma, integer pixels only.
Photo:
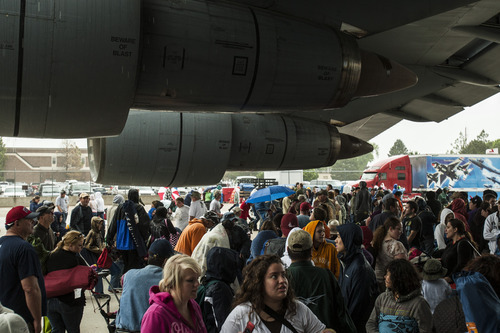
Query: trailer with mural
[{"x": 421, "y": 173}]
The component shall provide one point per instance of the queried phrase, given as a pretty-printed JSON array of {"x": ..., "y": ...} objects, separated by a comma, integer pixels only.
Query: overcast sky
[
  {"x": 437, "y": 138},
  {"x": 425, "y": 138}
]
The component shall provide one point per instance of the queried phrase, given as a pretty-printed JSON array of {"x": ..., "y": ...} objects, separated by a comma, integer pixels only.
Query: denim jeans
[
  {"x": 115, "y": 270},
  {"x": 64, "y": 317}
]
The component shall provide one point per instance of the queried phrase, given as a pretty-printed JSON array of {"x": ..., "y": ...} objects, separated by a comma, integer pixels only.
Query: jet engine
[
  {"x": 74, "y": 68},
  {"x": 175, "y": 148}
]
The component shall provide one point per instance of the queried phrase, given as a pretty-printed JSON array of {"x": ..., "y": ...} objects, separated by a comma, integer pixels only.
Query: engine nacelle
[
  {"x": 171, "y": 148},
  {"x": 68, "y": 68},
  {"x": 73, "y": 69},
  {"x": 215, "y": 56}
]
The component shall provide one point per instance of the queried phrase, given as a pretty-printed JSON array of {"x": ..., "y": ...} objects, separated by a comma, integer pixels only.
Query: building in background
[{"x": 36, "y": 165}]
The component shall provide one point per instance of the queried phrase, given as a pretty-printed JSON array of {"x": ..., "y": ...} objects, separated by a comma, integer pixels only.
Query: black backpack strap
[{"x": 279, "y": 318}]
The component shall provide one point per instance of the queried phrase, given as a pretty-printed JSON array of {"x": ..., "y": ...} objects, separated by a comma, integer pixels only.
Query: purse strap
[
  {"x": 279, "y": 318},
  {"x": 474, "y": 248},
  {"x": 79, "y": 254}
]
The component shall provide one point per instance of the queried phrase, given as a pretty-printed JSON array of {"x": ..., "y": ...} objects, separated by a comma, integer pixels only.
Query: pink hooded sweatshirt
[{"x": 163, "y": 316}]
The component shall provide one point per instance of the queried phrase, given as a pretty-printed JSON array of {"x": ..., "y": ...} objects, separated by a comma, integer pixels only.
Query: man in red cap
[
  {"x": 305, "y": 213},
  {"x": 23, "y": 288}
]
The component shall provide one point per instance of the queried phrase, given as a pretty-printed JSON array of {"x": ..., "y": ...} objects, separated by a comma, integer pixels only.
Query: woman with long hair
[
  {"x": 387, "y": 247},
  {"x": 161, "y": 226},
  {"x": 266, "y": 301},
  {"x": 65, "y": 312},
  {"x": 401, "y": 308},
  {"x": 460, "y": 250},
  {"x": 172, "y": 305}
]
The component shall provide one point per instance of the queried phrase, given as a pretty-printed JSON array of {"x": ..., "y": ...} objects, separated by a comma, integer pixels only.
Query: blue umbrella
[{"x": 270, "y": 193}]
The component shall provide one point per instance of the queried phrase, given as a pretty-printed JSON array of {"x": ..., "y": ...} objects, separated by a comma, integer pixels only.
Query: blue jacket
[
  {"x": 356, "y": 279},
  {"x": 135, "y": 297}
]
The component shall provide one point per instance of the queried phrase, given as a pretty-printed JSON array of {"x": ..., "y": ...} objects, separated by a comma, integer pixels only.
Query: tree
[
  {"x": 3, "y": 158},
  {"x": 398, "y": 148},
  {"x": 310, "y": 175},
  {"x": 494, "y": 144},
  {"x": 71, "y": 159},
  {"x": 459, "y": 143},
  {"x": 476, "y": 146},
  {"x": 351, "y": 168}
]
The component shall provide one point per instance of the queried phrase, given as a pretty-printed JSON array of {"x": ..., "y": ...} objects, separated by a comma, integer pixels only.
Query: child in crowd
[{"x": 435, "y": 289}]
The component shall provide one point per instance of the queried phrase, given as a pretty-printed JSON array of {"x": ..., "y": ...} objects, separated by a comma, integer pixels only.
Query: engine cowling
[
  {"x": 74, "y": 68},
  {"x": 214, "y": 56},
  {"x": 171, "y": 148},
  {"x": 68, "y": 67}
]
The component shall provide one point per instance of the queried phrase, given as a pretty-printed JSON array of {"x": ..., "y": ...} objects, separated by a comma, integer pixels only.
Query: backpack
[{"x": 206, "y": 306}]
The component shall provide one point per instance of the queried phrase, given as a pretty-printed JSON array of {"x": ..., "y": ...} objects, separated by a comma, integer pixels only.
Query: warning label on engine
[
  {"x": 326, "y": 73},
  {"x": 122, "y": 45},
  {"x": 6, "y": 46}
]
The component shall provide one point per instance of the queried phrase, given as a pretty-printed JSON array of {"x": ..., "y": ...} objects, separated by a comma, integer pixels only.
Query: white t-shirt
[
  {"x": 180, "y": 218},
  {"x": 63, "y": 203},
  {"x": 197, "y": 208},
  {"x": 215, "y": 206}
]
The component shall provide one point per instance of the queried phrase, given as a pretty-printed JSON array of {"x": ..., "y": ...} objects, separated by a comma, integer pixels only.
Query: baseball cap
[
  {"x": 162, "y": 248},
  {"x": 210, "y": 215},
  {"x": 229, "y": 216},
  {"x": 236, "y": 210},
  {"x": 299, "y": 241},
  {"x": 48, "y": 204},
  {"x": 18, "y": 213},
  {"x": 83, "y": 195},
  {"x": 11, "y": 322},
  {"x": 305, "y": 206},
  {"x": 288, "y": 222},
  {"x": 45, "y": 209},
  {"x": 476, "y": 200}
]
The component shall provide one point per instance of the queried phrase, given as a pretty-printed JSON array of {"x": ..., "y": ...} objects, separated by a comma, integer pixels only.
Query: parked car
[
  {"x": 78, "y": 188},
  {"x": 100, "y": 189},
  {"x": 11, "y": 191},
  {"x": 3, "y": 185},
  {"x": 144, "y": 190},
  {"x": 50, "y": 190},
  {"x": 121, "y": 189}
]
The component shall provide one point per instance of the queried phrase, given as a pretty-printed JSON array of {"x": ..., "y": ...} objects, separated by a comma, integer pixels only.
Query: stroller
[{"x": 103, "y": 302}]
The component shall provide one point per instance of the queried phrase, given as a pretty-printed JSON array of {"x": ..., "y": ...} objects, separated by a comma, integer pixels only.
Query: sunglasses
[{"x": 76, "y": 237}]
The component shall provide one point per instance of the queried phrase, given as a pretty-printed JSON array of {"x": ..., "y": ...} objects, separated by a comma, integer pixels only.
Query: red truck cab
[{"x": 387, "y": 172}]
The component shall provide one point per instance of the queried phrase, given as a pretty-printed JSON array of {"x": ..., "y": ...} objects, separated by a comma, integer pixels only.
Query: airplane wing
[
  {"x": 455, "y": 56},
  {"x": 246, "y": 85}
]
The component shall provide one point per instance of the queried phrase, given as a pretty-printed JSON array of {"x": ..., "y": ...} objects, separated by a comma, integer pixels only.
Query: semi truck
[{"x": 421, "y": 173}]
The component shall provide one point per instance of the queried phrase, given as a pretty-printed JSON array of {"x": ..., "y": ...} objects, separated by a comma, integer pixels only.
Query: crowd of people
[{"x": 313, "y": 261}]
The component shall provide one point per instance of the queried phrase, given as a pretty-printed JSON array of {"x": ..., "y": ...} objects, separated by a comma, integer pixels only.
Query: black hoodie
[
  {"x": 222, "y": 267},
  {"x": 356, "y": 279}
]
